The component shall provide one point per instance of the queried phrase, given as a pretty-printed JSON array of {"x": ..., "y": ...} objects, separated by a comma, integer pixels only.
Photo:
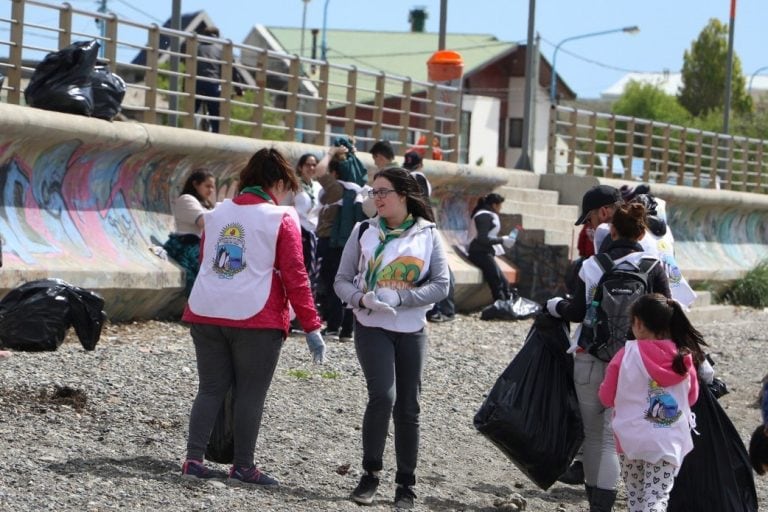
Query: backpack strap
[
  {"x": 645, "y": 265},
  {"x": 363, "y": 226},
  {"x": 605, "y": 261}
]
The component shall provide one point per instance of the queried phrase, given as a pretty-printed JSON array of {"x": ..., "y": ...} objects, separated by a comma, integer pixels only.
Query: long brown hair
[{"x": 196, "y": 178}]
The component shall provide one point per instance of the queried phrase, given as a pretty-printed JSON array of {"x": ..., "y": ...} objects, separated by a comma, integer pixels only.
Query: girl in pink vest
[{"x": 651, "y": 384}]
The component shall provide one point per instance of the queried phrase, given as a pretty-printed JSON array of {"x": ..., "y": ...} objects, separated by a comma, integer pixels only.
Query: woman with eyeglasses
[
  {"x": 393, "y": 269},
  {"x": 485, "y": 244}
]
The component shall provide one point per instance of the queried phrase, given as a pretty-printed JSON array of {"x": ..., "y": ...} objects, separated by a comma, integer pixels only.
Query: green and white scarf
[{"x": 386, "y": 234}]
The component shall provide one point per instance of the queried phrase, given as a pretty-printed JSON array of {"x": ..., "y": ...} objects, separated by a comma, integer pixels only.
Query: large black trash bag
[
  {"x": 35, "y": 316},
  {"x": 62, "y": 81},
  {"x": 108, "y": 93},
  {"x": 221, "y": 445},
  {"x": 716, "y": 476},
  {"x": 514, "y": 308},
  {"x": 531, "y": 413}
]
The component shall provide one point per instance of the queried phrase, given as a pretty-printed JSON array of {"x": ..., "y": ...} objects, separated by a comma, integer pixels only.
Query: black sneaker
[
  {"x": 366, "y": 489},
  {"x": 404, "y": 497},
  {"x": 574, "y": 475}
]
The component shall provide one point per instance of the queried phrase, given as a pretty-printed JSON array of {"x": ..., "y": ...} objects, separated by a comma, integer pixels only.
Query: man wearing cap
[{"x": 597, "y": 208}]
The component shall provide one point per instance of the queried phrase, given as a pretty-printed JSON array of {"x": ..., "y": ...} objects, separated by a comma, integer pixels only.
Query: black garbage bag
[
  {"x": 515, "y": 308},
  {"x": 108, "y": 93},
  {"x": 62, "y": 81},
  {"x": 532, "y": 414},
  {"x": 35, "y": 316},
  {"x": 718, "y": 461},
  {"x": 221, "y": 445}
]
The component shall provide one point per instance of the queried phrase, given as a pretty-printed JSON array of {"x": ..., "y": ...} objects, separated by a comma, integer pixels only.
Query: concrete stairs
[{"x": 538, "y": 261}]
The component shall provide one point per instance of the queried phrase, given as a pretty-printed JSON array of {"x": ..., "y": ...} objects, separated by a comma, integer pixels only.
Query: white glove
[
  {"x": 388, "y": 296},
  {"x": 371, "y": 302},
  {"x": 316, "y": 346},
  {"x": 552, "y": 306},
  {"x": 508, "y": 241}
]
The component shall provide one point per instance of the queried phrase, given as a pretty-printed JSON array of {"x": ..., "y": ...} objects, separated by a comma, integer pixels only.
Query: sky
[{"x": 589, "y": 65}]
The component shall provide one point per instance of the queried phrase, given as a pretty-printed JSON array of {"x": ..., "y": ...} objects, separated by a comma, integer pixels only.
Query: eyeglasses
[{"x": 381, "y": 193}]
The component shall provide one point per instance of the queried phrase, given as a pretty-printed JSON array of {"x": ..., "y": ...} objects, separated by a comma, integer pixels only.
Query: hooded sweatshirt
[{"x": 651, "y": 402}]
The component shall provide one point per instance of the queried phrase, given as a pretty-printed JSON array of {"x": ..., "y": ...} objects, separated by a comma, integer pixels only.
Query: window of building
[{"x": 515, "y": 132}]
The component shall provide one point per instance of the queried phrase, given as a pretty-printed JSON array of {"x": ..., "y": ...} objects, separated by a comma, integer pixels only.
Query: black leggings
[{"x": 491, "y": 273}]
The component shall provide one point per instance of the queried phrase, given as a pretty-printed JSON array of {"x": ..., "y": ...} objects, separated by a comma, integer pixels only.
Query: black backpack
[{"x": 619, "y": 287}]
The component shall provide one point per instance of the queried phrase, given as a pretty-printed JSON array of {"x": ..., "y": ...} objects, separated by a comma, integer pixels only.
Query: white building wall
[
  {"x": 484, "y": 128},
  {"x": 539, "y": 124}
]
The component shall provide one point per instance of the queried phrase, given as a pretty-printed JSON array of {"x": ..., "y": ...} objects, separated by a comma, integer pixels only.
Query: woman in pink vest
[{"x": 251, "y": 268}]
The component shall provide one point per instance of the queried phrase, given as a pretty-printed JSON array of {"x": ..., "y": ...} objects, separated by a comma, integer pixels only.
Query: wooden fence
[
  {"x": 283, "y": 96},
  {"x": 588, "y": 143}
]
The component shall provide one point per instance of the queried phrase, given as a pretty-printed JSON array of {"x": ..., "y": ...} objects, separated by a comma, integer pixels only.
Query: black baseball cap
[
  {"x": 597, "y": 196},
  {"x": 411, "y": 160}
]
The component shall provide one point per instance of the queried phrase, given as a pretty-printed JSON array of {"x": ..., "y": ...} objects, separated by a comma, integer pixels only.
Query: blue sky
[{"x": 589, "y": 65}]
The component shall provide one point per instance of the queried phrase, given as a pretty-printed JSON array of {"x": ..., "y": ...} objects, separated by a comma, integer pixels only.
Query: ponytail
[
  {"x": 665, "y": 317},
  {"x": 485, "y": 202},
  {"x": 687, "y": 338}
]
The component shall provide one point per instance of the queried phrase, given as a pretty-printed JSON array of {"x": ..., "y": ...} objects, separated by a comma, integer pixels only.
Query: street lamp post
[
  {"x": 751, "y": 78},
  {"x": 553, "y": 82},
  {"x": 324, "y": 42},
  {"x": 303, "y": 25}
]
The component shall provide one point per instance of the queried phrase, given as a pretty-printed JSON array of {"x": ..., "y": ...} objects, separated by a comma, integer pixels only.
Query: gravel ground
[{"x": 106, "y": 430}]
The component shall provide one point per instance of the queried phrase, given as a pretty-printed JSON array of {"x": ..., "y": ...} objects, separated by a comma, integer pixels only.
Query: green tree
[
  {"x": 705, "y": 70},
  {"x": 647, "y": 101}
]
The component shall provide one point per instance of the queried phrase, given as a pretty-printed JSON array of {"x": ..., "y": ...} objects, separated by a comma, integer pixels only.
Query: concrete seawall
[
  {"x": 82, "y": 200},
  {"x": 719, "y": 234}
]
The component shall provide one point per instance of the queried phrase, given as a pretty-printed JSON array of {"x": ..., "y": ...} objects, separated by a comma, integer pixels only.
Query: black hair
[
  {"x": 196, "y": 178},
  {"x": 485, "y": 202},
  {"x": 383, "y": 148},
  {"x": 265, "y": 168},
  {"x": 406, "y": 185},
  {"x": 758, "y": 449},
  {"x": 629, "y": 221},
  {"x": 665, "y": 317}
]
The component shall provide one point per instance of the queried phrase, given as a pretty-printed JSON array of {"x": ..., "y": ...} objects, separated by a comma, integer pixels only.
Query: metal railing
[
  {"x": 589, "y": 143},
  {"x": 283, "y": 96}
]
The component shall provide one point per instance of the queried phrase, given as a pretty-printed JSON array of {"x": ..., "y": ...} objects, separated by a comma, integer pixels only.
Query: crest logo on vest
[{"x": 230, "y": 247}]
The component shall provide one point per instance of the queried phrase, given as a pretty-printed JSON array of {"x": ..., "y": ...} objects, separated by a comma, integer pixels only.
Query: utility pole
[
  {"x": 443, "y": 24},
  {"x": 102, "y": 25},
  {"x": 729, "y": 70},
  {"x": 173, "y": 100},
  {"x": 524, "y": 162}
]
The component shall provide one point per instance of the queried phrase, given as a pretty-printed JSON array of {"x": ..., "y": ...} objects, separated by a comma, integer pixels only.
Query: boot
[
  {"x": 589, "y": 489},
  {"x": 602, "y": 500}
]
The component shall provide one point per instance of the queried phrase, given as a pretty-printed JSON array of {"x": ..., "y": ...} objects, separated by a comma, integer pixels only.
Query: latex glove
[
  {"x": 388, "y": 296},
  {"x": 552, "y": 306},
  {"x": 371, "y": 302},
  {"x": 316, "y": 346},
  {"x": 508, "y": 241}
]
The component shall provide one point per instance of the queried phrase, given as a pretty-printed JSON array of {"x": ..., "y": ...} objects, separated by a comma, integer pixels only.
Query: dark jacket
[
  {"x": 482, "y": 242},
  {"x": 574, "y": 309}
]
